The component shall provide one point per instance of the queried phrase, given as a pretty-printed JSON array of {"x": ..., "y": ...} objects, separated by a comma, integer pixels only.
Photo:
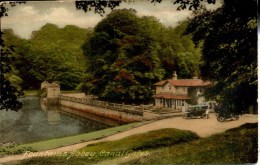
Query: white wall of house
[
  {"x": 170, "y": 88},
  {"x": 182, "y": 90},
  {"x": 165, "y": 88},
  {"x": 179, "y": 90}
]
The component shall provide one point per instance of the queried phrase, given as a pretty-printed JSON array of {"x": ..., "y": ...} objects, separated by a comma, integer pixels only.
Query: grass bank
[
  {"x": 168, "y": 146},
  {"x": 65, "y": 141},
  {"x": 235, "y": 146},
  {"x": 132, "y": 145},
  {"x": 32, "y": 93}
]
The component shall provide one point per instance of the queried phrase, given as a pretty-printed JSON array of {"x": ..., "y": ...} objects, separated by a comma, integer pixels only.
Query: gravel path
[{"x": 203, "y": 127}]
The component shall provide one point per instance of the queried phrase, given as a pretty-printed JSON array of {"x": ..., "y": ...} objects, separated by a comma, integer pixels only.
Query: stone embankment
[
  {"x": 120, "y": 112},
  {"x": 89, "y": 107},
  {"x": 105, "y": 112},
  {"x": 78, "y": 103}
]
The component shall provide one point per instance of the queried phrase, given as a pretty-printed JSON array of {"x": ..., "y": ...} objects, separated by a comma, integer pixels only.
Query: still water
[{"x": 35, "y": 122}]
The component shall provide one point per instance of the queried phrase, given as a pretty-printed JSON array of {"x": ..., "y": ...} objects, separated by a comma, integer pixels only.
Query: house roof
[
  {"x": 46, "y": 84},
  {"x": 184, "y": 82},
  {"x": 54, "y": 85},
  {"x": 171, "y": 96}
]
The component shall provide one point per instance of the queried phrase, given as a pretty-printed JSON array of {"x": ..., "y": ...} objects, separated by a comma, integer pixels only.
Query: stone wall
[
  {"x": 119, "y": 112},
  {"x": 73, "y": 94},
  {"x": 91, "y": 116}
]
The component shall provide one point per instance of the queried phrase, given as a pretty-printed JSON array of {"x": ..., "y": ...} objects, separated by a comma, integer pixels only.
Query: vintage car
[
  {"x": 225, "y": 115},
  {"x": 196, "y": 111}
]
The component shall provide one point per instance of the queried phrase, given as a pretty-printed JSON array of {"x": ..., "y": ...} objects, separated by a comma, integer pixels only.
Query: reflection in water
[
  {"x": 53, "y": 117},
  {"x": 33, "y": 123}
]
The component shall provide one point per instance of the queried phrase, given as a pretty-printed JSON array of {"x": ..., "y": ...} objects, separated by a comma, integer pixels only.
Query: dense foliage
[
  {"x": 100, "y": 6},
  {"x": 229, "y": 52},
  {"x": 235, "y": 38},
  {"x": 9, "y": 81},
  {"x": 52, "y": 54},
  {"x": 128, "y": 54}
]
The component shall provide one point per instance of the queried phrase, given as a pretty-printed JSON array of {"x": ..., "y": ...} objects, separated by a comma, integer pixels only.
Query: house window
[
  {"x": 170, "y": 87},
  {"x": 162, "y": 88},
  {"x": 161, "y": 101}
]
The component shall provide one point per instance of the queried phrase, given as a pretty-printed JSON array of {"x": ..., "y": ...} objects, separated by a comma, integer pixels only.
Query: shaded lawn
[
  {"x": 170, "y": 146},
  {"x": 135, "y": 144},
  {"x": 65, "y": 141},
  {"x": 235, "y": 146}
]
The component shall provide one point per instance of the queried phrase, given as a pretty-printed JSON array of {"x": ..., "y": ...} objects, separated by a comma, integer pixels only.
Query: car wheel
[{"x": 221, "y": 119}]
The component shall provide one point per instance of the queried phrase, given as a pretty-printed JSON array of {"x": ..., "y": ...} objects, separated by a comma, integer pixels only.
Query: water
[{"x": 36, "y": 122}]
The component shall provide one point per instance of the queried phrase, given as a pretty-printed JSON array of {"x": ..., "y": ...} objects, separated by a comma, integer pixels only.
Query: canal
[{"x": 35, "y": 122}]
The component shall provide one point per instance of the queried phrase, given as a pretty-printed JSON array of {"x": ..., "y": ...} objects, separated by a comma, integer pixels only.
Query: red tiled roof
[
  {"x": 160, "y": 83},
  {"x": 171, "y": 96},
  {"x": 184, "y": 82}
]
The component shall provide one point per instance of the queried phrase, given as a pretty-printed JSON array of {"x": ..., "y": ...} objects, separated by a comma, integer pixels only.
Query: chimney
[{"x": 174, "y": 75}]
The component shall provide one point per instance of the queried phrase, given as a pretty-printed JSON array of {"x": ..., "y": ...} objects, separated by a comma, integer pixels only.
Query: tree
[
  {"x": 229, "y": 52},
  {"x": 229, "y": 49},
  {"x": 179, "y": 53},
  {"x": 247, "y": 79},
  {"x": 123, "y": 58},
  {"x": 52, "y": 54},
  {"x": 56, "y": 55},
  {"x": 9, "y": 92},
  {"x": 100, "y": 6}
]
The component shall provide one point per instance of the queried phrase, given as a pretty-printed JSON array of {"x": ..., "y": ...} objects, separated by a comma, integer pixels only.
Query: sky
[{"x": 25, "y": 18}]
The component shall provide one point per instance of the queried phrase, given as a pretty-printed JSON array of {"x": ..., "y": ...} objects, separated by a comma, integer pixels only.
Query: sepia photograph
[{"x": 122, "y": 82}]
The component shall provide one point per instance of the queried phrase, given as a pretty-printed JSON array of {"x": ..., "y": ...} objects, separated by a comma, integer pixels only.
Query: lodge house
[{"x": 178, "y": 93}]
